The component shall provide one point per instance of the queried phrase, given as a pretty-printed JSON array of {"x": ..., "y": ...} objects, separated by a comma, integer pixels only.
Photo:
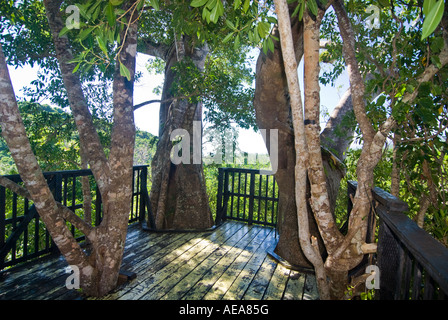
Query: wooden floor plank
[
  {"x": 242, "y": 282},
  {"x": 228, "y": 278},
  {"x": 158, "y": 267},
  {"x": 261, "y": 280},
  {"x": 294, "y": 287},
  {"x": 168, "y": 277},
  {"x": 210, "y": 277},
  {"x": 230, "y": 262},
  {"x": 277, "y": 284},
  {"x": 310, "y": 291},
  {"x": 202, "y": 268},
  {"x": 149, "y": 267}
]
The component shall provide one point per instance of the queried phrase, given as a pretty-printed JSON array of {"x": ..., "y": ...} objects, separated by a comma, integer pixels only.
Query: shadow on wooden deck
[{"x": 229, "y": 263}]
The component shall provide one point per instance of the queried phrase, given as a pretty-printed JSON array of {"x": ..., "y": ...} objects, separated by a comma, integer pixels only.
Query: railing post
[
  {"x": 219, "y": 204},
  {"x": 2, "y": 221},
  {"x": 2, "y": 215},
  {"x": 143, "y": 189},
  {"x": 98, "y": 203},
  {"x": 251, "y": 198}
]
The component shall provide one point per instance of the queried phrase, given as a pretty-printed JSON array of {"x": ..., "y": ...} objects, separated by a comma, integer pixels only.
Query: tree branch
[
  {"x": 84, "y": 122},
  {"x": 158, "y": 50},
  {"x": 356, "y": 81}
]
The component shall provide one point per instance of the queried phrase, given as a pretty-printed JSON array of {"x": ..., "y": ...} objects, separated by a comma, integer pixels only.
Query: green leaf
[
  {"x": 211, "y": 4},
  {"x": 115, "y": 3},
  {"x": 246, "y": 5},
  {"x": 217, "y": 11},
  {"x": 227, "y": 37},
  {"x": 433, "y": 19},
  {"x": 110, "y": 14},
  {"x": 85, "y": 33},
  {"x": 296, "y": 10},
  {"x": 236, "y": 4},
  {"x": 427, "y": 5},
  {"x": 263, "y": 29},
  {"x": 384, "y": 3},
  {"x": 436, "y": 61},
  {"x": 265, "y": 47},
  {"x": 302, "y": 10},
  {"x": 76, "y": 67},
  {"x": 198, "y": 3},
  {"x": 64, "y": 31},
  {"x": 236, "y": 44},
  {"x": 272, "y": 20},
  {"x": 125, "y": 71},
  {"x": 381, "y": 100},
  {"x": 437, "y": 44},
  {"x": 102, "y": 45},
  {"x": 230, "y": 25},
  {"x": 155, "y": 4},
  {"x": 312, "y": 5},
  {"x": 206, "y": 14},
  {"x": 270, "y": 44}
]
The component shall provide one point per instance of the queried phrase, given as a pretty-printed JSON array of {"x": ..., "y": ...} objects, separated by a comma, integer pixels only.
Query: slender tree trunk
[
  {"x": 178, "y": 193},
  {"x": 273, "y": 111},
  {"x": 99, "y": 271},
  {"x": 308, "y": 243}
]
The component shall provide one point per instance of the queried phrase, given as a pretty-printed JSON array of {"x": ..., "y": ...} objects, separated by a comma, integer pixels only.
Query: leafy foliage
[{"x": 55, "y": 141}]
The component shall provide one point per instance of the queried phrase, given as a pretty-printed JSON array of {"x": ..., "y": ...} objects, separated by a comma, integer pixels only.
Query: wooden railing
[
  {"x": 247, "y": 195},
  {"x": 23, "y": 235},
  {"x": 412, "y": 264}
]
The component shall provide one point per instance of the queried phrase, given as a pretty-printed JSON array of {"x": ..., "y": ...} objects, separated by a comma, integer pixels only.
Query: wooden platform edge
[
  {"x": 146, "y": 228},
  {"x": 271, "y": 252}
]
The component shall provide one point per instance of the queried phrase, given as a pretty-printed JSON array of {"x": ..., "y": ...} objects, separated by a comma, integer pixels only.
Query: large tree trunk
[
  {"x": 178, "y": 194},
  {"x": 273, "y": 111}
]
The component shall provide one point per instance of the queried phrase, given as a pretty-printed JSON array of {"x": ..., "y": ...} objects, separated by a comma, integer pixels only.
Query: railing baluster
[
  {"x": 428, "y": 289},
  {"x": 219, "y": 205},
  {"x": 2, "y": 218},
  {"x": 233, "y": 194},
  {"x": 266, "y": 200},
  {"x": 272, "y": 201},
  {"x": 25, "y": 232},
  {"x": 248, "y": 205},
  {"x": 251, "y": 198},
  {"x": 260, "y": 184},
  {"x": 417, "y": 281},
  {"x": 406, "y": 254},
  {"x": 36, "y": 234}
]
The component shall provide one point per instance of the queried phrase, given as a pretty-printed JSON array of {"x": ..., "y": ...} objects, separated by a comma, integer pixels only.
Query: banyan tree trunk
[{"x": 178, "y": 194}]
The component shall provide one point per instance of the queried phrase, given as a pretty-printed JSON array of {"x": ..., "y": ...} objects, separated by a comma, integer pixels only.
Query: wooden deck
[{"x": 229, "y": 263}]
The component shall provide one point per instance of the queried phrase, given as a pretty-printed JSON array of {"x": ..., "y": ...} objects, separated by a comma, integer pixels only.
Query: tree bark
[
  {"x": 308, "y": 243},
  {"x": 178, "y": 193},
  {"x": 78, "y": 105},
  {"x": 273, "y": 111}
]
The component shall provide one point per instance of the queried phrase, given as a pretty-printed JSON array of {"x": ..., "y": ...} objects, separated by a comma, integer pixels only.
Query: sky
[
  {"x": 249, "y": 141},
  {"x": 146, "y": 118}
]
